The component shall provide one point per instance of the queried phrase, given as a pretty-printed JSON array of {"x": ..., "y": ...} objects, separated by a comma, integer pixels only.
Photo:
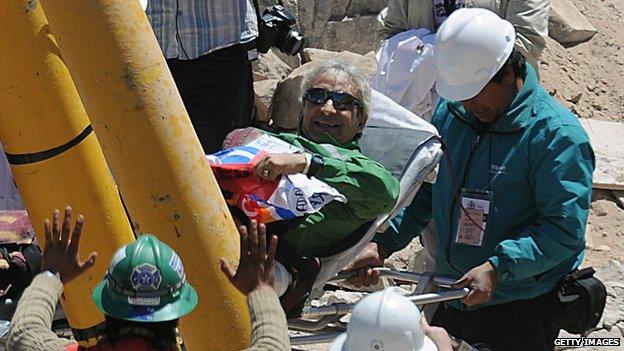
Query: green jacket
[
  {"x": 369, "y": 188},
  {"x": 538, "y": 162},
  {"x": 529, "y": 18}
]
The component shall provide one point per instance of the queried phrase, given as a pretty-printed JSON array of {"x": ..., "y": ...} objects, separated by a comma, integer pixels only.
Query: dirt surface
[
  {"x": 605, "y": 230},
  {"x": 589, "y": 77}
]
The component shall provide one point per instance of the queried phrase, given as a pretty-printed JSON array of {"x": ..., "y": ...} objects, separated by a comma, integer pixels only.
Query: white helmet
[
  {"x": 470, "y": 47},
  {"x": 384, "y": 321}
]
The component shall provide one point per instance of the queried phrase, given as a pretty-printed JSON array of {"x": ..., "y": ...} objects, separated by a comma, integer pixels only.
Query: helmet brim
[
  {"x": 114, "y": 305},
  {"x": 467, "y": 91},
  {"x": 339, "y": 344}
]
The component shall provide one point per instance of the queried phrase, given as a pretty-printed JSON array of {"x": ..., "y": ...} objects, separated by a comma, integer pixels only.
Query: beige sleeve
[
  {"x": 530, "y": 19},
  {"x": 31, "y": 325},
  {"x": 393, "y": 19},
  {"x": 269, "y": 331}
]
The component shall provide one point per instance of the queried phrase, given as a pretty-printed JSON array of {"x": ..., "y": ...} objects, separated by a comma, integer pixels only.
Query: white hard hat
[
  {"x": 384, "y": 321},
  {"x": 470, "y": 47}
]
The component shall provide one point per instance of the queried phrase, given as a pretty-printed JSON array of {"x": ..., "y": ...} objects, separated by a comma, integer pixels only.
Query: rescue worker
[
  {"x": 143, "y": 294},
  {"x": 512, "y": 196}
]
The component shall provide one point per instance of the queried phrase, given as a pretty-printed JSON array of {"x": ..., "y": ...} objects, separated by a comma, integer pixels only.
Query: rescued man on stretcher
[{"x": 336, "y": 103}]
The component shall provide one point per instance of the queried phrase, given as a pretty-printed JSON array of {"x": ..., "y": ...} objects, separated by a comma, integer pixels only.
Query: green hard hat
[{"x": 145, "y": 282}]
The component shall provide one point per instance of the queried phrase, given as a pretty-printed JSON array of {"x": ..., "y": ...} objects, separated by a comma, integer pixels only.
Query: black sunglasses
[{"x": 341, "y": 100}]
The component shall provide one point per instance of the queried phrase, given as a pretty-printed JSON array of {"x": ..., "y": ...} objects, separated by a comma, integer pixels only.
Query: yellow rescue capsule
[
  {"x": 157, "y": 160},
  {"x": 54, "y": 155}
]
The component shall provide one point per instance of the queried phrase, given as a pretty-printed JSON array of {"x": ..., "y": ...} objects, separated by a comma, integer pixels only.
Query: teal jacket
[
  {"x": 370, "y": 189},
  {"x": 538, "y": 163}
]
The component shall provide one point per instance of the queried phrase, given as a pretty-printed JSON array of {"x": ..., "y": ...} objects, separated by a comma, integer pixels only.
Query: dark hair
[
  {"x": 161, "y": 335},
  {"x": 516, "y": 62}
]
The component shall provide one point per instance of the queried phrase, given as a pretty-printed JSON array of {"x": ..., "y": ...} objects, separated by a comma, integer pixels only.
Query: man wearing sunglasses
[{"x": 336, "y": 99}]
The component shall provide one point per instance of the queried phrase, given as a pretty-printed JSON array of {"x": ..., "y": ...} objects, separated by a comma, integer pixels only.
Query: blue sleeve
[
  {"x": 561, "y": 177},
  {"x": 409, "y": 223}
]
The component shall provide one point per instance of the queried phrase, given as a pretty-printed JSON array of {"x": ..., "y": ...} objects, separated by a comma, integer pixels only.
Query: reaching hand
[
  {"x": 60, "y": 254},
  {"x": 482, "y": 280},
  {"x": 256, "y": 264},
  {"x": 438, "y": 335},
  {"x": 371, "y": 256},
  {"x": 274, "y": 165}
]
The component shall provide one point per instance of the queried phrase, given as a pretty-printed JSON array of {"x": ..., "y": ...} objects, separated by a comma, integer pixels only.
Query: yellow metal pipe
[
  {"x": 55, "y": 157},
  {"x": 157, "y": 160}
]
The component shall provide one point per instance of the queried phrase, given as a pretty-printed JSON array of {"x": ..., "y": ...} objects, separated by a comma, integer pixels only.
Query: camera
[{"x": 275, "y": 30}]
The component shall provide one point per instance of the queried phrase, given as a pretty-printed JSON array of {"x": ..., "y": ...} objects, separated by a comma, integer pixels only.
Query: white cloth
[{"x": 406, "y": 71}]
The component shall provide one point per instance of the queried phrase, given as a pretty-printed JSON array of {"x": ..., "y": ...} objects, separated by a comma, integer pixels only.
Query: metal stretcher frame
[{"x": 316, "y": 319}]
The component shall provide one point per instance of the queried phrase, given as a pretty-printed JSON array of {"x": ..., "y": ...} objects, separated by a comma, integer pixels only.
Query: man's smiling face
[{"x": 342, "y": 125}]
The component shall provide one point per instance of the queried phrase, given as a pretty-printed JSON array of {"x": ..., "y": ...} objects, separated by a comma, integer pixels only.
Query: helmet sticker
[
  {"x": 176, "y": 264},
  {"x": 144, "y": 301},
  {"x": 145, "y": 278}
]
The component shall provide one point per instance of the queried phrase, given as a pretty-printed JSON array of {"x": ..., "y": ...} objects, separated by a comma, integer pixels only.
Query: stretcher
[{"x": 411, "y": 149}]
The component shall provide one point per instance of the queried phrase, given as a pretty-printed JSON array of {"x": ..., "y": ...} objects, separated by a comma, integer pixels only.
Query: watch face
[{"x": 317, "y": 163}]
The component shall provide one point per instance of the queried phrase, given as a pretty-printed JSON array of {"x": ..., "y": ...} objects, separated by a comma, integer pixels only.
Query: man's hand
[
  {"x": 482, "y": 280},
  {"x": 274, "y": 165},
  {"x": 60, "y": 254},
  {"x": 371, "y": 256},
  {"x": 439, "y": 336},
  {"x": 256, "y": 264}
]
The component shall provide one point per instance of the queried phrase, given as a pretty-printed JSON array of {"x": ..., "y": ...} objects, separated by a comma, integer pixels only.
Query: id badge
[{"x": 475, "y": 208}]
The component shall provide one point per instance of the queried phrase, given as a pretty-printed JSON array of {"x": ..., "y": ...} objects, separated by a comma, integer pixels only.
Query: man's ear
[
  {"x": 361, "y": 120},
  {"x": 509, "y": 77}
]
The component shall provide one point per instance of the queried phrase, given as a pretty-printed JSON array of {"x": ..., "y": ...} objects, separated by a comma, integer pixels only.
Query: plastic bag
[{"x": 286, "y": 198}]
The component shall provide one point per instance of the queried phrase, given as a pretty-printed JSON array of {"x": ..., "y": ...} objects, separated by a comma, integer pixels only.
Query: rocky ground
[{"x": 588, "y": 77}]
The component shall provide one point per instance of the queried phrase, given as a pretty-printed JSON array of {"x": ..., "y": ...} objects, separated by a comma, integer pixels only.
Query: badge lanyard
[
  {"x": 474, "y": 211},
  {"x": 473, "y": 217}
]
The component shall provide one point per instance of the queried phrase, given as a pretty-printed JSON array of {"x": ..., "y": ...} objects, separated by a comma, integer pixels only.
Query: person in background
[
  {"x": 512, "y": 195},
  {"x": 206, "y": 44},
  {"x": 129, "y": 284},
  {"x": 529, "y": 18}
]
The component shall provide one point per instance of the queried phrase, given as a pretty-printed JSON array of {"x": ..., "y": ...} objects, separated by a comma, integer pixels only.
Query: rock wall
[{"x": 336, "y": 25}]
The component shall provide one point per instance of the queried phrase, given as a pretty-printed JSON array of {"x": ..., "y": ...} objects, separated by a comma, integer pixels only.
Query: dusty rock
[
  {"x": 603, "y": 248},
  {"x": 339, "y": 296},
  {"x": 401, "y": 258},
  {"x": 321, "y": 20},
  {"x": 270, "y": 66},
  {"x": 567, "y": 25},
  {"x": 263, "y": 92},
  {"x": 339, "y": 35},
  {"x": 286, "y": 107},
  {"x": 576, "y": 98},
  {"x": 292, "y": 61},
  {"x": 600, "y": 207},
  {"x": 367, "y": 63},
  {"x": 612, "y": 275}
]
